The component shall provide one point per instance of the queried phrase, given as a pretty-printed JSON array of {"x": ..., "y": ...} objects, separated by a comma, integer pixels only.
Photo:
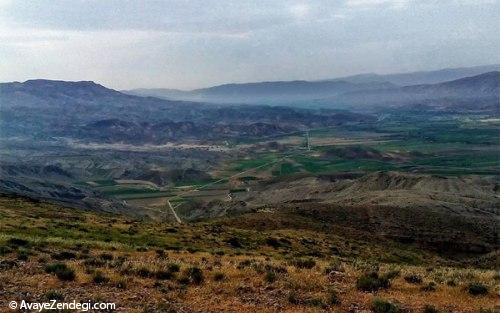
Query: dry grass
[{"x": 140, "y": 275}]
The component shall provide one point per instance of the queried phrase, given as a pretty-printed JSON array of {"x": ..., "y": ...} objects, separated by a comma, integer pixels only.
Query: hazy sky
[{"x": 189, "y": 44}]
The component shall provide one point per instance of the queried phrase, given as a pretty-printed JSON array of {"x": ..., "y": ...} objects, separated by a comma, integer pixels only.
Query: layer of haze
[{"x": 191, "y": 44}]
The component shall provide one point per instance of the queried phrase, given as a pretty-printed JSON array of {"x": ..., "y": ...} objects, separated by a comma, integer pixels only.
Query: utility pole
[{"x": 308, "y": 144}]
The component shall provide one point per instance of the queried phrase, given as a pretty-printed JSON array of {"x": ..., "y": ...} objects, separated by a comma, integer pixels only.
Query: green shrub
[
  {"x": 372, "y": 282},
  {"x": 293, "y": 298},
  {"x": 234, "y": 242},
  {"x": 106, "y": 256},
  {"x": 63, "y": 255},
  {"x": 303, "y": 263},
  {"x": 270, "y": 277},
  {"x": 173, "y": 267},
  {"x": 99, "y": 278},
  {"x": 430, "y": 309},
  {"x": 429, "y": 287},
  {"x": 392, "y": 274},
  {"x": 219, "y": 276},
  {"x": 315, "y": 302},
  {"x": 413, "y": 279},
  {"x": 384, "y": 306},
  {"x": 333, "y": 298},
  {"x": 54, "y": 295},
  {"x": 5, "y": 250},
  {"x": 195, "y": 275},
  {"x": 334, "y": 266},
  {"x": 164, "y": 275},
  {"x": 273, "y": 242},
  {"x": 144, "y": 272},
  {"x": 61, "y": 271},
  {"x": 93, "y": 262},
  {"x": 121, "y": 283},
  {"x": 477, "y": 289},
  {"x": 17, "y": 242},
  {"x": 52, "y": 268},
  {"x": 23, "y": 255}
]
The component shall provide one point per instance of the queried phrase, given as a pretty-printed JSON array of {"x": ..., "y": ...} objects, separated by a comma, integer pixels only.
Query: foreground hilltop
[{"x": 50, "y": 252}]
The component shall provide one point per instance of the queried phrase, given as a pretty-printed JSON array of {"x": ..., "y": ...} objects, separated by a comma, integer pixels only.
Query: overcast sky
[{"x": 189, "y": 44}]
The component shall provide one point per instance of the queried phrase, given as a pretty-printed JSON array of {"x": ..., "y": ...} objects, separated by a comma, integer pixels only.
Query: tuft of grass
[
  {"x": 164, "y": 275},
  {"x": 383, "y": 306},
  {"x": 270, "y": 277},
  {"x": 61, "y": 270},
  {"x": 106, "y": 256},
  {"x": 99, "y": 278},
  {"x": 144, "y": 272},
  {"x": 333, "y": 298},
  {"x": 194, "y": 275},
  {"x": 219, "y": 276},
  {"x": 431, "y": 286},
  {"x": 430, "y": 309},
  {"x": 17, "y": 242},
  {"x": 173, "y": 267},
  {"x": 413, "y": 279},
  {"x": 303, "y": 263},
  {"x": 63, "y": 255},
  {"x": 372, "y": 282},
  {"x": 23, "y": 255},
  {"x": 54, "y": 295},
  {"x": 477, "y": 289}
]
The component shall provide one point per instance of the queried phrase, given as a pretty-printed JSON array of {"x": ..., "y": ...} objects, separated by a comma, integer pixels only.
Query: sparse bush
[
  {"x": 17, "y": 242},
  {"x": 244, "y": 263},
  {"x": 429, "y": 287},
  {"x": 430, "y": 309},
  {"x": 144, "y": 272},
  {"x": 392, "y": 274},
  {"x": 293, "y": 298},
  {"x": 173, "y": 267},
  {"x": 160, "y": 253},
  {"x": 61, "y": 271},
  {"x": 99, "y": 278},
  {"x": 303, "y": 263},
  {"x": 23, "y": 255},
  {"x": 270, "y": 277},
  {"x": 63, "y": 255},
  {"x": 219, "y": 276},
  {"x": 54, "y": 295},
  {"x": 106, "y": 256},
  {"x": 413, "y": 279},
  {"x": 234, "y": 242},
  {"x": 372, "y": 282},
  {"x": 451, "y": 283},
  {"x": 273, "y": 242},
  {"x": 164, "y": 275},
  {"x": 93, "y": 262},
  {"x": 316, "y": 302},
  {"x": 477, "y": 289},
  {"x": 121, "y": 283},
  {"x": 5, "y": 250},
  {"x": 384, "y": 306},
  {"x": 334, "y": 266},
  {"x": 195, "y": 275},
  {"x": 333, "y": 298}
]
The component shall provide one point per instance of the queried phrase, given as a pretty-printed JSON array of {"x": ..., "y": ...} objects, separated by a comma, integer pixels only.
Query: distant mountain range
[
  {"x": 481, "y": 92},
  {"x": 86, "y": 111},
  {"x": 293, "y": 92},
  {"x": 422, "y": 77}
]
